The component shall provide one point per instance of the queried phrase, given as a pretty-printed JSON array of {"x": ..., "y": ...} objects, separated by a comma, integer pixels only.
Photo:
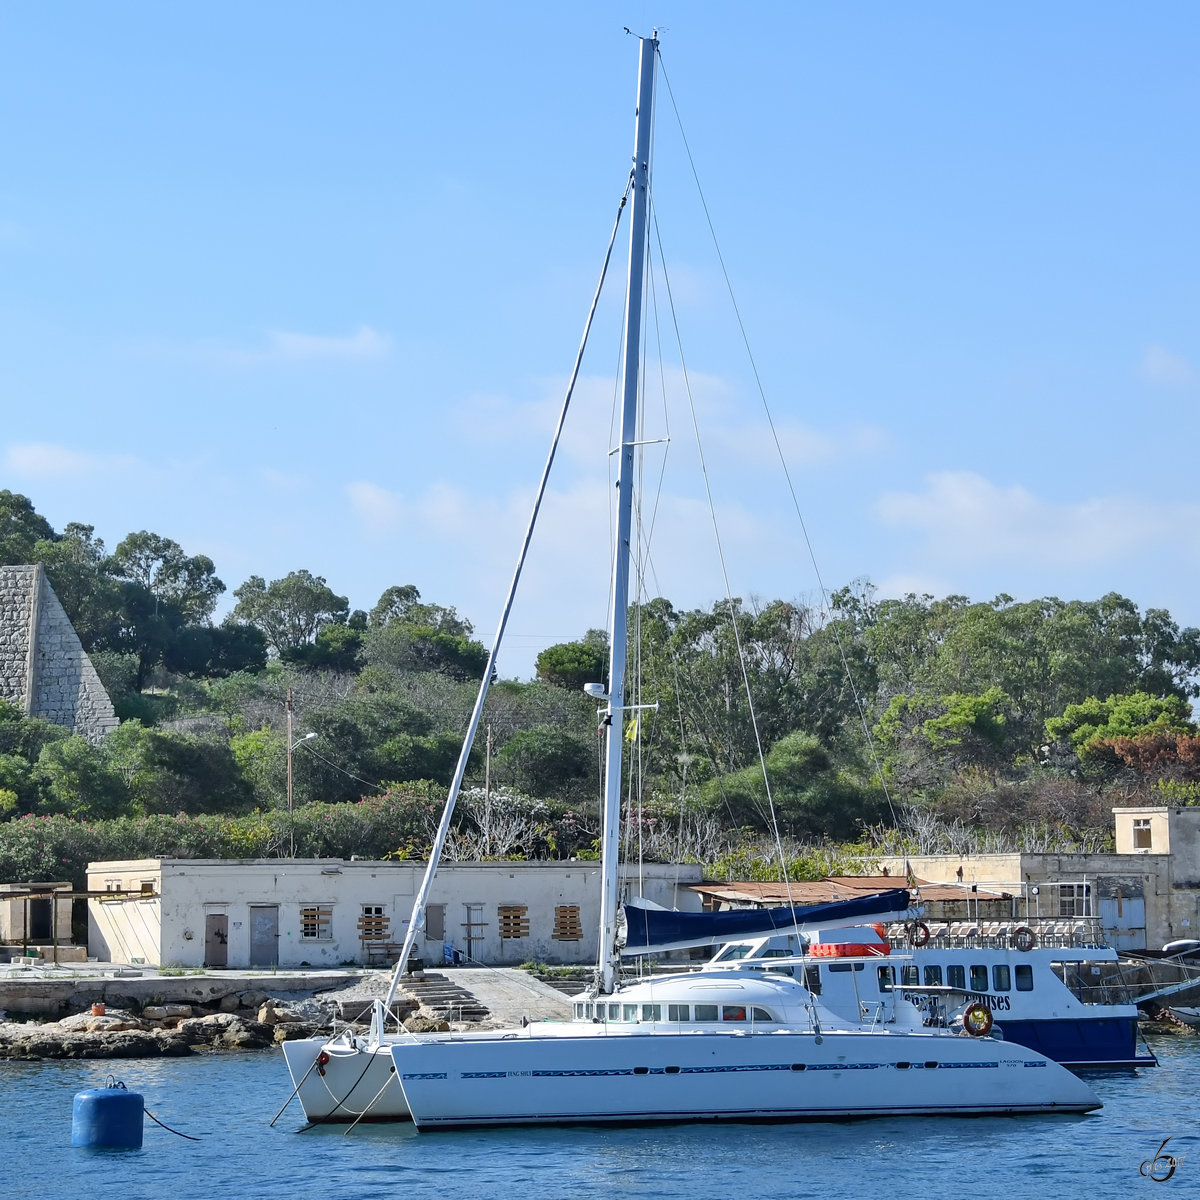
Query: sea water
[{"x": 227, "y": 1101}]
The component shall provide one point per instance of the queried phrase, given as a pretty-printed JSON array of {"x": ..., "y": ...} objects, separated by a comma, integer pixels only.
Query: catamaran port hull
[{"x": 357, "y": 1082}]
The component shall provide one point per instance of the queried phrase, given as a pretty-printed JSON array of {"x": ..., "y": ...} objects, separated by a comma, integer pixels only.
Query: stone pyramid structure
[{"x": 44, "y": 670}]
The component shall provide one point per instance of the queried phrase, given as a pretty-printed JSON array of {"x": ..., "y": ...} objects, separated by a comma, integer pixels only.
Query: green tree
[
  {"x": 572, "y": 664},
  {"x": 21, "y": 528},
  {"x": 76, "y": 779},
  {"x": 290, "y": 611},
  {"x": 550, "y": 761},
  {"x": 1095, "y": 721}
]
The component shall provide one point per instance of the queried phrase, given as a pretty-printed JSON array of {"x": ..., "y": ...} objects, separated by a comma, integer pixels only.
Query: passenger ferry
[{"x": 1051, "y": 985}]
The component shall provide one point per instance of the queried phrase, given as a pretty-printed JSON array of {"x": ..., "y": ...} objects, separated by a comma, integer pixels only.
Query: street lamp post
[{"x": 291, "y": 745}]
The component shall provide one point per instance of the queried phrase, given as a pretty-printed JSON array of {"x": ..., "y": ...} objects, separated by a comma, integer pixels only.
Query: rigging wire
[{"x": 858, "y": 702}]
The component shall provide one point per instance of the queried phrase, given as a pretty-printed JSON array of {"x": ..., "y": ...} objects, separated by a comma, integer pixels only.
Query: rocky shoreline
[{"x": 229, "y": 1019}]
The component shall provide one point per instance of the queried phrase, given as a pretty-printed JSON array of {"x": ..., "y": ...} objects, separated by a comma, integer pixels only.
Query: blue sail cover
[{"x": 651, "y": 929}]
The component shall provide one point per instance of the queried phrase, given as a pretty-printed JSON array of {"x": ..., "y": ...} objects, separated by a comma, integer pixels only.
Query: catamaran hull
[
  {"x": 637, "y": 1078},
  {"x": 357, "y": 1082}
]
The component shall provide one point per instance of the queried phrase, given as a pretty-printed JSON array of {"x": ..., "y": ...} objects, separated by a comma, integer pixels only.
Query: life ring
[
  {"x": 978, "y": 1020},
  {"x": 918, "y": 933},
  {"x": 1024, "y": 938}
]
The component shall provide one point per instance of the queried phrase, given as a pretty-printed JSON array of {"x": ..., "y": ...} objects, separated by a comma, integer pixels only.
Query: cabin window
[
  {"x": 629, "y": 1012},
  {"x": 733, "y": 953},
  {"x": 761, "y": 1014},
  {"x": 147, "y": 887},
  {"x": 677, "y": 1012},
  {"x": 933, "y": 976},
  {"x": 1001, "y": 978},
  {"x": 1024, "y": 978},
  {"x": 513, "y": 920},
  {"x": 706, "y": 1012},
  {"x": 567, "y": 927},
  {"x": 1141, "y": 833},
  {"x": 956, "y": 977},
  {"x": 614, "y": 1012},
  {"x": 836, "y": 967},
  {"x": 733, "y": 1012},
  {"x": 812, "y": 980},
  {"x": 910, "y": 975},
  {"x": 316, "y": 922},
  {"x": 979, "y": 978},
  {"x": 651, "y": 1012},
  {"x": 887, "y": 978},
  {"x": 579, "y": 1013}
]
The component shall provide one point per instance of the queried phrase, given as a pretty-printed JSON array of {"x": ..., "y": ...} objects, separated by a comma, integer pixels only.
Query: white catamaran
[{"x": 720, "y": 1044}]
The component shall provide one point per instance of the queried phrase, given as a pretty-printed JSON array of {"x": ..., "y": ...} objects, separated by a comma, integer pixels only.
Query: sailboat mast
[{"x": 611, "y": 817}]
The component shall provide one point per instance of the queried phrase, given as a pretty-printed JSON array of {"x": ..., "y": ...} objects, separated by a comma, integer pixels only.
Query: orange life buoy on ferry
[
  {"x": 978, "y": 1020},
  {"x": 1024, "y": 938},
  {"x": 849, "y": 949},
  {"x": 918, "y": 933}
]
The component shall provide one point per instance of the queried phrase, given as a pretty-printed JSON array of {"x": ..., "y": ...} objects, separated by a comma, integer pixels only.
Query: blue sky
[{"x": 298, "y": 285}]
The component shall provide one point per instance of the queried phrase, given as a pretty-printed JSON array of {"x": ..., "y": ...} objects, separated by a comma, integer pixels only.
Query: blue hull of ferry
[{"x": 1082, "y": 1045}]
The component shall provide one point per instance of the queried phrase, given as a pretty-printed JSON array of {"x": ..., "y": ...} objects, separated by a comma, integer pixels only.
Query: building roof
[{"x": 836, "y": 887}]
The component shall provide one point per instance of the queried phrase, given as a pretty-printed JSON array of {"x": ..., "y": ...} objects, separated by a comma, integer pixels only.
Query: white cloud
[
  {"x": 48, "y": 460},
  {"x": 281, "y": 346},
  {"x": 364, "y": 343},
  {"x": 1160, "y": 365},
  {"x": 965, "y": 517},
  {"x": 283, "y": 481},
  {"x": 379, "y": 509}
]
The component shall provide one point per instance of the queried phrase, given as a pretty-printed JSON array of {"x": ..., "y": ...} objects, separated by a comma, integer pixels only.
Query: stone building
[
  {"x": 1145, "y": 894},
  {"x": 328, "y": 912},
  {"x": 44, "y": 670}
]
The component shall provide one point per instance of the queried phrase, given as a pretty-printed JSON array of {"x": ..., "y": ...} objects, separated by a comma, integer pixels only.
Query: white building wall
[{"x": 168, "y": 927}]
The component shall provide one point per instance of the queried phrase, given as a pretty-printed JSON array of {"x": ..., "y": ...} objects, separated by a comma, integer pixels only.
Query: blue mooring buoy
[{"x": 109, "y": 1117}]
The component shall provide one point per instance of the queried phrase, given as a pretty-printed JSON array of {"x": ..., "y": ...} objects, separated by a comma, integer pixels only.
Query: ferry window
[
  {"x": 567, "y": 926},
  {"x": 733, "y": 1012},
  {"x": 1024, "y": 978},
  {"x": 1001, "y": 977},
  {"x": 1141, "y": 833},
  {"x": 933, "y": 976},
  {"x": 978, "y": 978},
  {"x": 886, "y": 978},
  {"x": 513, "y": 920},
  {"x": 629, "y": 1013},
  {"x": 706, "y": 1012},
  {"x": 316, "y": 921},
  {"x": 651, "y": 1012},
  {"x": 910, "y": 975},
  {"x": 956, "y": 977},
  {"x": 761, "y": 1014},
  {"x": 677, "y": 1012}
]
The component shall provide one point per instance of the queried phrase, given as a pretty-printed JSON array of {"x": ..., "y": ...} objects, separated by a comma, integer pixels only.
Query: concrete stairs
[{"x": 445, "y": 998}]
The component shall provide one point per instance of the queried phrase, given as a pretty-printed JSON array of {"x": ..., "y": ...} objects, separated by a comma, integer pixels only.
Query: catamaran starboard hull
[{"x": 605, "y": 1078}]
